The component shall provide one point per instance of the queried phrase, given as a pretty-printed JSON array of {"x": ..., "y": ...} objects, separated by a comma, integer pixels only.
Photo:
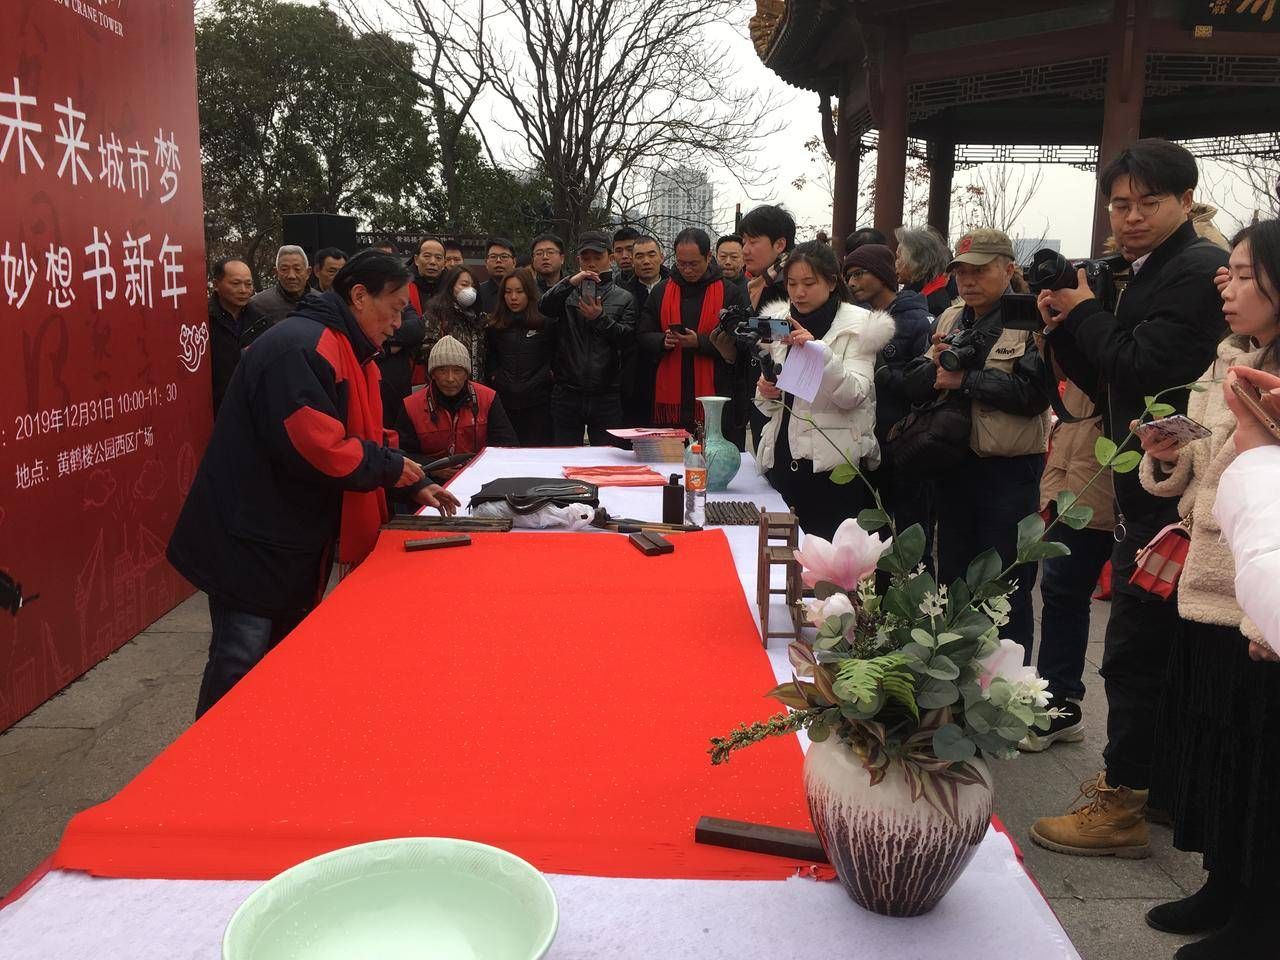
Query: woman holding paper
[{"x": 828, "y": 369}]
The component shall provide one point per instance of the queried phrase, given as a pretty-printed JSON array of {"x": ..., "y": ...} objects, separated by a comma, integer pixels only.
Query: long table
[{"x": 72, "y": 915}]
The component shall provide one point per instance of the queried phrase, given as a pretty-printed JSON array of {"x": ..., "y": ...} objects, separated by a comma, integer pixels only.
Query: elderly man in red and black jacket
[{"x": 297, "y": 463}]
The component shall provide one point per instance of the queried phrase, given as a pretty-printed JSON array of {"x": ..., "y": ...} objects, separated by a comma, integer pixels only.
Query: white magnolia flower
[
  {"x": 836, "y": 605},
  {"x": 844, "y": 560},
  {"x": 1005, "y": 663}
]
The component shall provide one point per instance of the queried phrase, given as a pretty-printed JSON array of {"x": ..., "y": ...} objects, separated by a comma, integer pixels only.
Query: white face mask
[{"x": 466, "y": 296}]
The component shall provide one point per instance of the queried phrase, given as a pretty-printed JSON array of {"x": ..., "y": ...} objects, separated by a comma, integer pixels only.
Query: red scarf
[
  {"x": 667, "y": 406},
  {"x": 363, "y": 513},
  {"x": 934, "y": 285}
]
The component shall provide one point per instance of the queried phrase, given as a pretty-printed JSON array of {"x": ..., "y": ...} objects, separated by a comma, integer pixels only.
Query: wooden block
[
  {"x": 759, "y": 838},
  {"x": 651, "y": 544},
  {"x": 435, "y": 543}
]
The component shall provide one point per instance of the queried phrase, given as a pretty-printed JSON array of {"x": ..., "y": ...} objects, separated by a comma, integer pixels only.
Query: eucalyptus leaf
[
  {"x": 924, "y": 638},
  {"x": 985, "y": 566},
  {"x": 934, "y": 694},
  {"x": 873, "y": 519},
  {"x": 1030, "y": 529},
  {"x": 922, "y": 654},
  {"x": 843, "y": 473},
  {"x": 897, "y": 603},
  {"x": 942, "y": 668},
  {"x": 1103, "y": 450},
  {"x": 818, "y": 732},
  {"x": 950, "y": 743},
  {"x": 1126, "y": 462},
  {"x": 1158, "y": 410},
  {"x": 825, "y": 589},
  {"x": 1197, "y": 387},
  {"x": 1011, "y": 728},
  {"x": 1045, "y": 550}
]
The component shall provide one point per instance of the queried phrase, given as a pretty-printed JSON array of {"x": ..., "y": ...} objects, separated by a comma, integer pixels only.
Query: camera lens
[{"x": 950, "y": 360}]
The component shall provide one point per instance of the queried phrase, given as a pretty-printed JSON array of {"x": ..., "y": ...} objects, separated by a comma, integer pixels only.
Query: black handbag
[
  {"x": 527, "y": 494},
  {"x": 933, "y": 436}
]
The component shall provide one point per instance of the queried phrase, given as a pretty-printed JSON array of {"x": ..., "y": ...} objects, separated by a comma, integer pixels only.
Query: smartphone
[
  {"x": 1177, "y": 427},
  {"x": 773, "y": 329},
  {"x": 1254, "y": 402},
  {"x": 678, "y": 328},
  {"x": 587, "y": 291}
]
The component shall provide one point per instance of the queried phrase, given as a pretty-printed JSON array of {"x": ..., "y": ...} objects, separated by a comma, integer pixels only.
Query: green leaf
[
  {"x": 1158, "y": 410},
  {"x": 924, "y": 638},
  {"x": 1045, "y": 550},
  {"x": 1103, "y": 450},
  {"x": 985, "y": 566},
  {"x": 873, "y": 519},
  {"x": 819, "y": 732},
  {"x": 1148, "y": 401},
  {"x": 971, "y": 624},
  {"x": 950, "y": 743},
  {"x": 843, "y": 473},
  {"x": 1197, "y": 387},
  {"x": 1126, "y": 462},
  {"x": 909, "y": 546},
  {"x": 1030, "y": 530},
  {"x": 897, "y": 603},
  {"x": 1073, "y": 513},
  {"x": 941, "y": 667},
  {"x": 868, "y": 682},
  {"x": 922, "y": 654},
  {"x": 1011, "y": 728},
  {"x": 934, "y": 694}
]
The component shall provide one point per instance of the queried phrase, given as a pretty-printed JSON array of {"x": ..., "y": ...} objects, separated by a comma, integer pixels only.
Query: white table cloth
[{"x": 993, "y": 906}]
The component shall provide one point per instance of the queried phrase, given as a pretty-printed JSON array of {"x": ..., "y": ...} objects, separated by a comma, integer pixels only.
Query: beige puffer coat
[
  {"x": 1206, "y": 589},
  {"x": 1071, "y": 462}
]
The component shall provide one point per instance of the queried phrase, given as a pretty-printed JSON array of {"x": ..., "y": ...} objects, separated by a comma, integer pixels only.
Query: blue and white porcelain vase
[{"x": 723, "y": 458}]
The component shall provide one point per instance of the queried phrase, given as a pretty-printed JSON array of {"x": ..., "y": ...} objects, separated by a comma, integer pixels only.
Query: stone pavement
[{"x": 86, "y": 743}]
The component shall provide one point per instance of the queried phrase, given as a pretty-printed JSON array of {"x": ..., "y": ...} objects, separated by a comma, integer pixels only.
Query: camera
[
  {"x": 1050, "y": 270},
  {"x": 753, "y": 329},
  {"x": 967, "y": 349}
]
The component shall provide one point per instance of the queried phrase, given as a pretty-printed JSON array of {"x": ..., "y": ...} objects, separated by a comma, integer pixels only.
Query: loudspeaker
[{"x": 311, "y": 231}]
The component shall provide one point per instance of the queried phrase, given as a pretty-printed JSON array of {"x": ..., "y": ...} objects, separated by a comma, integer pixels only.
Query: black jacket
[
  {"x": 650, "y": 338},
  {"x": 1164, "y": 332},
  {"x": 1023, "y": 392},
  {"x": 913, "y": 324},
  {"x": 257, "y": 528},
  {"x": 939, "y": 299},
  {"x": 395, "y": 362},
  {"x": 264, "y": 311},
  {"x": 588, "y": 352},
  {"x": 638, "y": 370},
  {"x": 224, "y": 348},
  {"x": 520, "y": 364},
  {"x": 487, "y": 295}
]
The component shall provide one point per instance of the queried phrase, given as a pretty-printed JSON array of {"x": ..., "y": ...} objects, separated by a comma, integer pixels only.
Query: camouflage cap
[{"x": 981, "y": 246}]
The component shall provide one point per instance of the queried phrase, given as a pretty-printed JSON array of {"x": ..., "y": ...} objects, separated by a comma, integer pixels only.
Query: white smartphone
[{"x": 1178, "y": 427}]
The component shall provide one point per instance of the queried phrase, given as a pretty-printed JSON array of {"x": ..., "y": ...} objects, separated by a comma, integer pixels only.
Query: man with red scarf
[
  {"x": 679, "y": 331},
  {"x": 297, "y": 464}
]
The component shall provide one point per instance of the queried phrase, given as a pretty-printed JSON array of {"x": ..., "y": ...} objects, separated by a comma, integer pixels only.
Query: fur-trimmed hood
[{"x": 873, "y": 328}]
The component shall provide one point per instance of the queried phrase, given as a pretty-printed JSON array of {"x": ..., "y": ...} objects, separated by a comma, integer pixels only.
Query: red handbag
[{"x": 1159, "y": 564}]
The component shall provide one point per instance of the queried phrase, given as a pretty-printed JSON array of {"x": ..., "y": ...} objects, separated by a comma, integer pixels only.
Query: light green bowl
[{"x": 417, "y": 897}]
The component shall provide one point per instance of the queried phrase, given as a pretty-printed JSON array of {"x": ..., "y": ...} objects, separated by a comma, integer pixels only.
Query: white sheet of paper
[{"x": 802, "y": 371}]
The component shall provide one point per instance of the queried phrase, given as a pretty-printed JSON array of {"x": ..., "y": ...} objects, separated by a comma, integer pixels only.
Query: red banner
[{"x": 104, "y": 398}]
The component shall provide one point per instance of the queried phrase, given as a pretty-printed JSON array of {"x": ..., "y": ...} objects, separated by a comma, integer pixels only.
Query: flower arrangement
[{"x": 904, "y": 668}]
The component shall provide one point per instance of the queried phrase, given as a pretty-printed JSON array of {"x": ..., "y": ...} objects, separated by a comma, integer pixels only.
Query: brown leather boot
[{"x": 1112, "y": 824}]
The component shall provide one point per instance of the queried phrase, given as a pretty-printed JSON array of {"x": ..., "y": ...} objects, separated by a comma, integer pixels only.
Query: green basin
[{"x": 417, "y": 897}]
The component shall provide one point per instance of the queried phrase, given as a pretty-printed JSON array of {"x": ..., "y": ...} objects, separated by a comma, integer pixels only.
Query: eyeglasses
[
  {"x": 500, "y": 256},
  {"x": 543, "y": 253},
  {"x": 855, "y": 275},
  {"x": 1146, "y": 206}
]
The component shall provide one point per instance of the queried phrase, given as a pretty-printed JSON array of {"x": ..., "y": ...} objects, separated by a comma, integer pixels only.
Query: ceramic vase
[
  {"x": 894, "y": 857},
  {"x": 723, "y": 458}
]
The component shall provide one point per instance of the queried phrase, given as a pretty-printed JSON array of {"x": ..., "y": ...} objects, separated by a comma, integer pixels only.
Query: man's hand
[
  {"x": 577, "y": 278},
  {"x": 1250, "y": 432},
  {"x": 686, "y": 339},
  {"x": 410, "y": 473},
  {"x": 1068, "y": 298},
  {"x": 434, "y": 495},
  {"x": 1164, "y": 449},
  {"x": 590, "y": 308},
  {"x": 768, "y": 389},
  {"x": 1051, "y": 319},
  {"x": 948, "y": 379},
  {"x": 1262, "y": 653},
  {"x": 1221, "y": 279}
]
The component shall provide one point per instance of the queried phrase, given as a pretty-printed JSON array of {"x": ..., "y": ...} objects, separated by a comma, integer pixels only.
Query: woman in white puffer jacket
[{"x": 796, "y": 458}]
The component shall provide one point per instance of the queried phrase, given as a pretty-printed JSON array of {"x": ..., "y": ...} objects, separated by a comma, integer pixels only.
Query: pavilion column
[
  {"x": 891, "y": 153},
  {"x": 844, "y": 212},
  {"x": 1125, "y": 91},
  {"x": 942, "y": 171}
]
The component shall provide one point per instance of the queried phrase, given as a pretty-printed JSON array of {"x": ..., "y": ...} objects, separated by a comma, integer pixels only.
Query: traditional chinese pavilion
[{"x": 1039, "y": 81}]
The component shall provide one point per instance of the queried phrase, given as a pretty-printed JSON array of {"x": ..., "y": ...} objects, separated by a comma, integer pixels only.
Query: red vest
[{"x": 440, "y": 433}]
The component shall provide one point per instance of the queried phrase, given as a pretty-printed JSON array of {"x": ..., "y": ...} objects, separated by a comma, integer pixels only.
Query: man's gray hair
[
  {"x": 924, "y": 251},
  {"x": 292, "y": 249}
]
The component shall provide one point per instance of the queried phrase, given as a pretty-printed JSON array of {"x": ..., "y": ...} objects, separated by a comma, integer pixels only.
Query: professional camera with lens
[
  {"x": 967, "y": 349},
  {"x": 745, "y": 325},
  {"x": 1050, "y": 270}
]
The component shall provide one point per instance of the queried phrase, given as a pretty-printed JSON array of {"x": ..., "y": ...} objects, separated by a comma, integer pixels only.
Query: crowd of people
[{"x": 373, "y": 387}]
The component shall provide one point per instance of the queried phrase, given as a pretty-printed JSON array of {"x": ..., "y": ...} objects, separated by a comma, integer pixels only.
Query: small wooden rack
[{"x": 779, "y": 540}]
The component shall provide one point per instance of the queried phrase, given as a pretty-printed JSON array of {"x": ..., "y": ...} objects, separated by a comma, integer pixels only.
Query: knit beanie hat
[
  {"x": 877, "y": 260},
  {"x": 448, "y": 352}
]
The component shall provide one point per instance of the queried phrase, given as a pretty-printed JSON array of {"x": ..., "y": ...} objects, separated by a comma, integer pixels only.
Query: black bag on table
[{"x": 527, "y": 494}]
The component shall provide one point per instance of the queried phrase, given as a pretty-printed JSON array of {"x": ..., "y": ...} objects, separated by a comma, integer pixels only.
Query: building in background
[{"x": 678, "y": 198}]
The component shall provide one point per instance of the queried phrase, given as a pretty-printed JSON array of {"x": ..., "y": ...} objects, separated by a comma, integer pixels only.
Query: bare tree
[
  {"x": 1248, "y": 185},
  {"x": 452, "y": 69},
  {"x": 996, "y": 196},
  {"x": 604, "y": 93}
]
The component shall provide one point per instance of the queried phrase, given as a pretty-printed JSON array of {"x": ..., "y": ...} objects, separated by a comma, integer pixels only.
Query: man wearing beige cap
[{"x": 1002, "y": 378}]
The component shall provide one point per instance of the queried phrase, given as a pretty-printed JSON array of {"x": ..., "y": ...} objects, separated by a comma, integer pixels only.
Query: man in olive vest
[{"x": 980, "y": 502}]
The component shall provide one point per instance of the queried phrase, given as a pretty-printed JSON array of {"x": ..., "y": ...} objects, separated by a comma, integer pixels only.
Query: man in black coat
[
  {"x": 296, "y": 466},
  {"x": 678, "y": 332},
  {"x": 232, "y": 290},
  {"x": 500, "y": 261},
  {"x": 1163, "y": 333},
  {"x": 638, "y": 370}
]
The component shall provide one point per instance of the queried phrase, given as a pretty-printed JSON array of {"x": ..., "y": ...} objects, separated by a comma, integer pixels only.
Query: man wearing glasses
[
  {"x": 1164, "y": 332},
  {"x": 500, "y": 261},
  {"x": 547, "y": 255}
]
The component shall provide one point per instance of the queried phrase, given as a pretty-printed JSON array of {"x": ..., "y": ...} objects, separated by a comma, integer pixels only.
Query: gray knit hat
[{"x": 448, "y": 352}]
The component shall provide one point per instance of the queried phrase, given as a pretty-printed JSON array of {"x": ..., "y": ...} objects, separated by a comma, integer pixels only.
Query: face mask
[{"x": 466, "y": 296}]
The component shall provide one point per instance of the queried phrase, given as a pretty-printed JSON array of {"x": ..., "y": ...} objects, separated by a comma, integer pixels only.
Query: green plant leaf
[
  {"x": 917, "y": 652},
  {"x": 819, "y": 732},
  {"x": 1030, "y": 530},
  {"x": 1158, "y": 410},
  {"x": 950, "y": 743},
  {"x": 1126, "y": 462},
  {"x": 824, "y": 589},
  {"x": 1148, "y": 401},
  {"x": 942, "y": 667},
  {"x": 909, "y": 545},
  {"x": 867, "y": 682},
  {"x": 1046, "y": 550},
  {"x": 924, "y": 638},
  {"x": 1011, "y": 728},
  {"x": 843, "y": 473},
  {"x": 934, "y": 694},
  {"x": 1197, "y": 387},
  {"x": 897, "y": 603},
  {"x": 873, "y": 519},
  {"x": 1103, "y": 450},
  {"x": 985, "y": 566}
]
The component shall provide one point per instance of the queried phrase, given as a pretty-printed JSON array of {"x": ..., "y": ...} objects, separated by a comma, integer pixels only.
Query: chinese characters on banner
[{"x": 104, "y": 395}]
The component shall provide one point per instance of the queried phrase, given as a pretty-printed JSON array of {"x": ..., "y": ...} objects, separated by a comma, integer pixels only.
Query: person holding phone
[
  {"x": 679, "y": 332},
  {"x": 1217, "y": 757},
  {"x": 796, "y": 458}
]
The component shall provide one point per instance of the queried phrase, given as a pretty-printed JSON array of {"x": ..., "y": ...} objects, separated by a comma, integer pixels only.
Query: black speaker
[{"x": 311, "y": 231}]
